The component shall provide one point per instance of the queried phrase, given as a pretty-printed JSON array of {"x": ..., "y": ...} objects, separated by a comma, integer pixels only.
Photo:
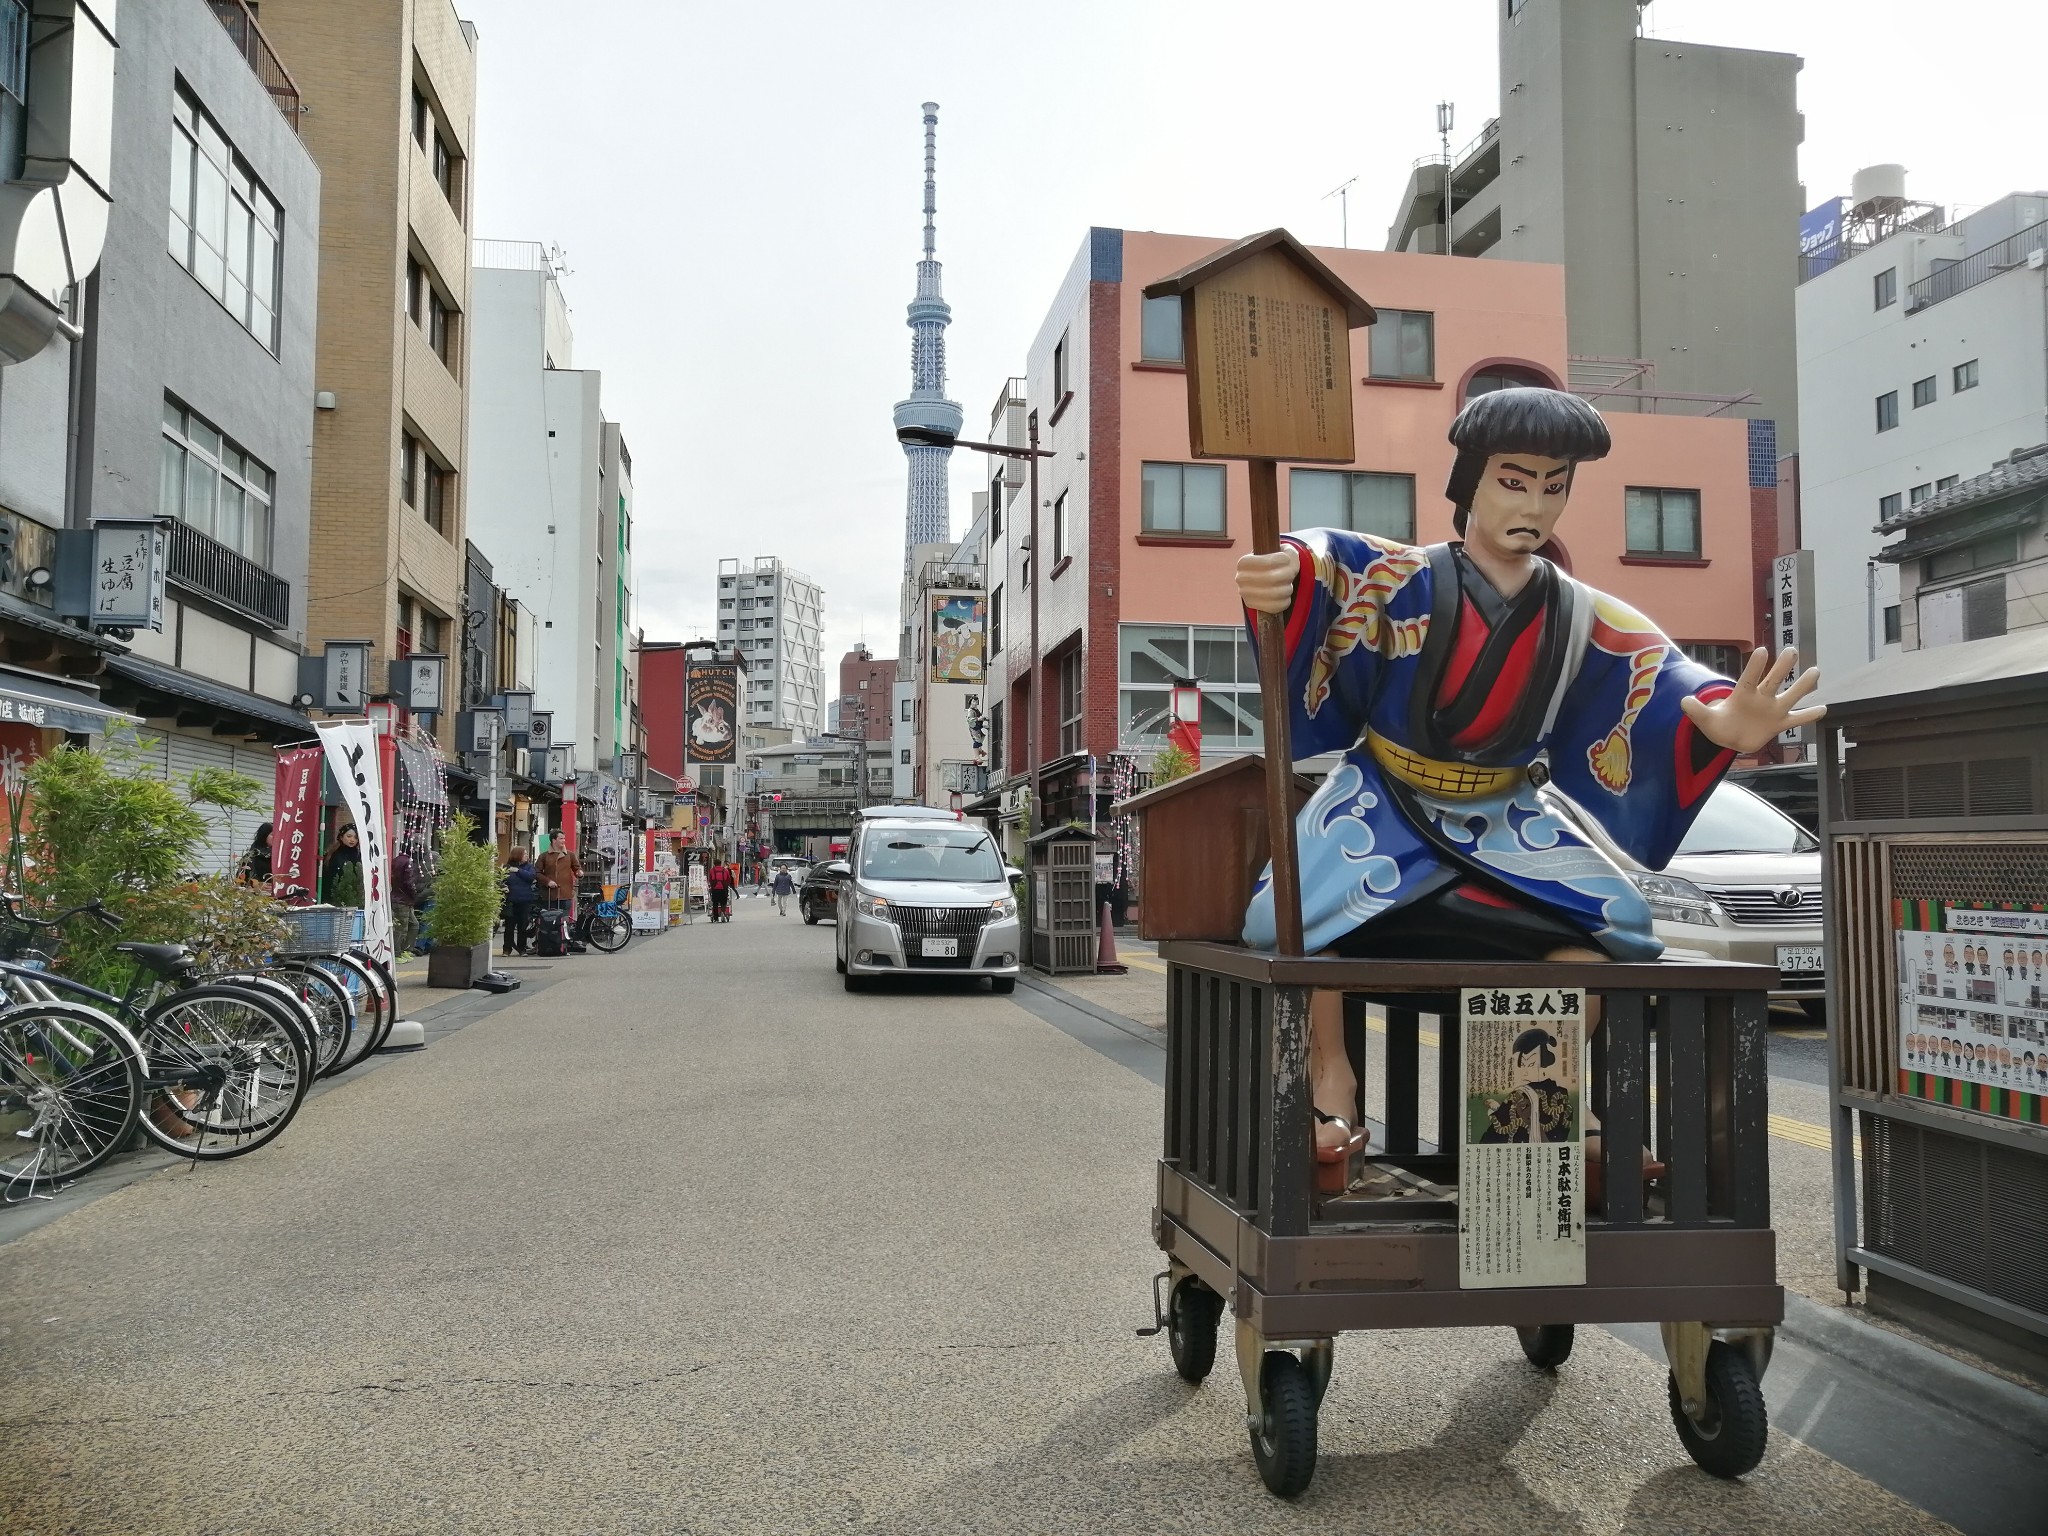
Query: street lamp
[
  {"x": 1186, "y": 730},
  {"x": 931, "y": 437}
]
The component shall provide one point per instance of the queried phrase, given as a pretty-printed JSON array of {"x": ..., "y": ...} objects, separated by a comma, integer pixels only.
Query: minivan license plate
[
  {"x": 941, "y": 949},
  {"x": 1799, "y": 957}
]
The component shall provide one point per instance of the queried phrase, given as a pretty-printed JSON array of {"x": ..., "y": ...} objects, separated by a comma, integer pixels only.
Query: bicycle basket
[{"x": 316, "y": 930}]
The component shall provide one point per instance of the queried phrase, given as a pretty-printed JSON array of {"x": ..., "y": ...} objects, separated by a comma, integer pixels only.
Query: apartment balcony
[
  {"x": 239, "y": 18},
  {"x": 207, "y": 568},
  {"x": 2027, "y": 249}
]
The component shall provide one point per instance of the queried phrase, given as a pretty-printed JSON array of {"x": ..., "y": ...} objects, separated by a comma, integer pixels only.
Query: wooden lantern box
[{"x": 1202, "y": 843}]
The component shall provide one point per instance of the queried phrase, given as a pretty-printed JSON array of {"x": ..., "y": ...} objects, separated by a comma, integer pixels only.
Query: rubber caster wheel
[
  {"x": 1284, "y": 1439},
  {"x": 1547, "y": 1347},
  {"x": 1728, "y": 1439},
  {"x": 1191, "y": 1318},
  {"x": 1000, "y": 985}
]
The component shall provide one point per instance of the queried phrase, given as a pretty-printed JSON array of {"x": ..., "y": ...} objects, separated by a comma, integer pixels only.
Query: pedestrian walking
[
  {"x": 522, "y": 884},
  {"x": 720, "y": 882},
  {"x": 783, "y": 887},
  {"x": 405, "y": 900}
]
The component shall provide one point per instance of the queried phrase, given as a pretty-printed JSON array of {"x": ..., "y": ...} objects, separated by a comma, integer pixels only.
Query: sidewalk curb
[{"x": 1118, "y": 1021}]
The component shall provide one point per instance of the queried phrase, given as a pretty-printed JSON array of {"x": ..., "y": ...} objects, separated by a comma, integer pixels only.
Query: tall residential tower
[{"x": 926, "y": 518}]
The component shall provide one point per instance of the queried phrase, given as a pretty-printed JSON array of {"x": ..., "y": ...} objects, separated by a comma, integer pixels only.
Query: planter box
[{"x": 458, "y": 965}]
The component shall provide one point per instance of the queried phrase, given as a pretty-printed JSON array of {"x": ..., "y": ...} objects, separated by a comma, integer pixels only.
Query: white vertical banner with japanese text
[
  {"x": 352, "y": 758},
  {"x": 1522, "y": 1158}
]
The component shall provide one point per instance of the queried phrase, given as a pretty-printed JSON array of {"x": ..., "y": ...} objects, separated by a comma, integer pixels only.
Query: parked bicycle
[
  {"x": 206, "y": 1069},
  {"x": 602, "y": 923}
]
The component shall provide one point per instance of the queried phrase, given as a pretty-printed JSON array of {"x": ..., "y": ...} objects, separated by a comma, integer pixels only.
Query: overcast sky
[{"x": 737, "y": 189}]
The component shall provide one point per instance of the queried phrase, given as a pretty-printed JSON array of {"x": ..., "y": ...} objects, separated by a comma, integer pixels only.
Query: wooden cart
[{"x": 1678, "y": 1065}]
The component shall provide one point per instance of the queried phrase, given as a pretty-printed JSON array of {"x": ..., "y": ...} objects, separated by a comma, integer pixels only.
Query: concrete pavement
[{"x": 688, "y": 1239}]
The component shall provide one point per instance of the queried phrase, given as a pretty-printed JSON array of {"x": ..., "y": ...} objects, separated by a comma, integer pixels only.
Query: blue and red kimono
[{"x": 1442, "y": 695}]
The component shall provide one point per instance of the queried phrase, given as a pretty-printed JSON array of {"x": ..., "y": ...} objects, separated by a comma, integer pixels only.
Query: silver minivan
[{"x": 925, "y": 892}]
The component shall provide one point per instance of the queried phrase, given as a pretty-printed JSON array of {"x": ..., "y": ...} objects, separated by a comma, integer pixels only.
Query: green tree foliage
[
  {"x": 1171, "y": 762},
  {"x": 468, "y": 890},
  {"x": 347, "y": 889}
]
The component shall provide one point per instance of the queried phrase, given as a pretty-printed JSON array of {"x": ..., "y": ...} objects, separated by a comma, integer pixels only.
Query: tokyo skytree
[{"x": 927, "y": 509}]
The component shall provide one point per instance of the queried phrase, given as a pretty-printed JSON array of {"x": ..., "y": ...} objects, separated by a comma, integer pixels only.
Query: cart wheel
[
  {"x": 1728, "y": 1437},
  {"x": 1547, "y": 1347},
  {"x": 1284, "y": 1439},
  {"x": 1191, "y": 1317}
]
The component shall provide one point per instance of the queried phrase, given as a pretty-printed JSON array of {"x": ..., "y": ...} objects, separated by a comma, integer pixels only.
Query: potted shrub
[{"x": 468, "y": 891}]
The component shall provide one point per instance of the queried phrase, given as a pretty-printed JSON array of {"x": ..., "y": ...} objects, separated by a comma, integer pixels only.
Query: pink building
[{"x": 1139, "y": 540}]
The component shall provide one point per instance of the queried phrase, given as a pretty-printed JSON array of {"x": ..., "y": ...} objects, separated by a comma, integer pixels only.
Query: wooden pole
[{"x": 1273, "y": 690}]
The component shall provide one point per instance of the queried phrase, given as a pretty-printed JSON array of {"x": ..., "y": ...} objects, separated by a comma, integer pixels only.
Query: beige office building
[{"x": 390, "y": 89}]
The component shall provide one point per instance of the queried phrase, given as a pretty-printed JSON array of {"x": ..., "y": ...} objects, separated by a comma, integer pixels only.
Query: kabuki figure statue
[{"x": 1458, "y": 679}]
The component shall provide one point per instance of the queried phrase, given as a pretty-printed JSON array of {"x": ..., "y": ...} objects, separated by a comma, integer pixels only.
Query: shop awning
[
  {"x": 30, "y": 698},
  {"x": 144, "y": 683}
]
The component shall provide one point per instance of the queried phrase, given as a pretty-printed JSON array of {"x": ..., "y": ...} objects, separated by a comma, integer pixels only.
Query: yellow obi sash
[{"x": 1446, "y": 781}]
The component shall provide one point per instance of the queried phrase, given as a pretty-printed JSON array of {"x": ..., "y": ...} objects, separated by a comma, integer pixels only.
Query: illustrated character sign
[{"x": 1455, "y": 680}]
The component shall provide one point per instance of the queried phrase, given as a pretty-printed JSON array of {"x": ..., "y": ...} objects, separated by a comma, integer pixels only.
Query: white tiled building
[{"x": 775, "y": 616}]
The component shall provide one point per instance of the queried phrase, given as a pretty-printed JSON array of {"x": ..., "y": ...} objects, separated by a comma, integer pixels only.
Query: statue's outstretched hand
[
  {"x": 1265, "y": 583},
  {"x": 1756, "y": 712}
]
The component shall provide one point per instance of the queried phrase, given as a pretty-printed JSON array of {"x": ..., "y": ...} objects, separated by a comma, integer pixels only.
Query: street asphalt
[{"x": 689, "y": 1240}]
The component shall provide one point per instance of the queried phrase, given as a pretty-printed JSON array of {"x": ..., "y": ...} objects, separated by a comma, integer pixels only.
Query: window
[
  {"x": 1663, "y": 522},
  {"x": 1062, "y": 386},
  {"x": 1716, "y": 655},
  {"x": 1891, "y": 624},
  {"x": 210, "y": 484},
  {"x": 225, "y": 229},
  {"x": 1404, "y": 344},
  {"x": 995, "y": 623},
  {"x": 1159, "y": 334},
  {"x": 1980, "y": 556},
  {"x": 995, "y": 735},
  {"x": 1889, "y": 507},
  {"x": 1150, "y": 657},
  {"x": 1887, "y": 410},
  {"x": 1919, "y": 493},
  {"x": 906, "y": 710},
  {"x": 1184, "y": 498},
  {"x": 1061, "y": 537},
  {"x": 1923, "y": 392},
  {"x": 1945, "y": 482},
  {"x": 1504, "y": 376},
  {"x": 422, "y": 118},
  {"x": 448, "y": 173},
  {"x": 1964, "y": 377},
  {"x": 1884, "y": 288},
  {"x": 995, "y": 507},
  {"x": 425, "y": 485},
  {"x": 906, "y": 757},
  {"x": 1361, "y": 501},
  {"x": 1070, "y": 703}
]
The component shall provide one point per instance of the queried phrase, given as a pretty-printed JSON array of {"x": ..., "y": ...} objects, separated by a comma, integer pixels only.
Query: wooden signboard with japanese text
[{"x": 1268, "y": 353}]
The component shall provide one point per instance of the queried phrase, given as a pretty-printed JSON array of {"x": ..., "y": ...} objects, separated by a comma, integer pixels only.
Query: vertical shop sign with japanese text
[
  {"x": 711, "y": 712},
  {"x": 128, "y": 574},
  {"x": 1521, "y": 1169},
  {"x": 295, "y": 823},
  {"x": 352, "y": 755}
]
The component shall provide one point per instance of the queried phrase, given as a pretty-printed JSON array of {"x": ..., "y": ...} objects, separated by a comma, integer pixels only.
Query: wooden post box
[{"x": 1202, "y": 842}]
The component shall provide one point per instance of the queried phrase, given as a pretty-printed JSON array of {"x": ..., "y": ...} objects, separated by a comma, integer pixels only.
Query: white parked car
[{"x": 1744, "y": 885}]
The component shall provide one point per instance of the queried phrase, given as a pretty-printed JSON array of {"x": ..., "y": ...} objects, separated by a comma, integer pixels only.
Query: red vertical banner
[{"x": 295, "y": 823}]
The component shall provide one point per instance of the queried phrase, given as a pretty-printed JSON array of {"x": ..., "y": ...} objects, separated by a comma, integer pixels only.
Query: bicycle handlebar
[{"x": 11, "y": 901}]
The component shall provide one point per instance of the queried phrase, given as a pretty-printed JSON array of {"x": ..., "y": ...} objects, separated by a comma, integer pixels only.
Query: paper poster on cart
[
  {"x": 1521, "y": 1168},
  {"x": 1973, "y": 1007},
  {"x": 352, "y": 759}
]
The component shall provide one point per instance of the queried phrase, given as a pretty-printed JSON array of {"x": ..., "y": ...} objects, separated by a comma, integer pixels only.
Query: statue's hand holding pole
[
  {"x": 1265, "y": 583},
  {"x": 1757, "y": 712}
]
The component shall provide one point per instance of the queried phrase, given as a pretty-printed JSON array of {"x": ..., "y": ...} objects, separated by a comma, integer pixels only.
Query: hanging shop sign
[
  {"x": 1521, "y": 1168},
  {"x": 1973, "y": 1007},
  {"x": 711, "y": 713},
  {"x": 417, "y": 681},
  {"x": 295, "y": 823},
  {"x": 957, "y": 637},
  {"x": 353, "y": 759},
  {"x": 344, "y": 676},
  {"x": 540, "y": 731},
  {"x": 129, "y": 559}
]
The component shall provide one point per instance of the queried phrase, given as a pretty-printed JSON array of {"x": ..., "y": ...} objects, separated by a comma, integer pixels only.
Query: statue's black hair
[
  {"x": 1536, "y": 1039},
  {"x": 1548, "y": 422}
]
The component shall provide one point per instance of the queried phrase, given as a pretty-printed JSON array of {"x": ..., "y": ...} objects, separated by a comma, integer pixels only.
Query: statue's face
[{"x": 1517, "y": 503}]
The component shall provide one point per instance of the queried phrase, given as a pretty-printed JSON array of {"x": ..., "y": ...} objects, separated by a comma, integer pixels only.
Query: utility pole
[{"x": 1343, "y": 196}]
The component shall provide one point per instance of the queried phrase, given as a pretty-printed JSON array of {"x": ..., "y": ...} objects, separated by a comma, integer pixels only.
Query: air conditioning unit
[{"x": 2037, "y": 258}]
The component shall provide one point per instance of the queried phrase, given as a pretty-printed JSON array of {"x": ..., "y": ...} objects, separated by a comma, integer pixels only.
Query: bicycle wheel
[
  {"x": 381, "y": 983},
  {"x": 610, "y": 931},
  {"x": 70, "y": 1093},
  {"x": 225, "y": 1073},
  {"x": 374, "y": 1012},
  {"x": 333, "y": 1010},
  {"x": 268, "y": 993}
]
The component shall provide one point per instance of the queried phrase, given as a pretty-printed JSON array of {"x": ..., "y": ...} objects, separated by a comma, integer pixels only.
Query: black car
[
  {"x": 1793, "y": 788},
  {"x": 819, "y": 895}
]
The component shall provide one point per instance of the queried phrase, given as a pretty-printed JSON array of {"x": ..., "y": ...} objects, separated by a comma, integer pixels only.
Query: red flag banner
[{"x": 295, "y": 823}]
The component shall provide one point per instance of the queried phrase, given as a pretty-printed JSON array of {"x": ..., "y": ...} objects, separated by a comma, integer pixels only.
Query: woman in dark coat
[
  {"x": 347, "y": 850},
  {"x": 255, "y": 868},
  {"x": 522, "y": 888}
]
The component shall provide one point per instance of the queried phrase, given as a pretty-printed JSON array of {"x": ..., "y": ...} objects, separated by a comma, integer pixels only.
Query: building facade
[
  {"x": 862, "y": 707},
  {"x": 390, "y": 89},
  {"x": 1136, "y": 545},
  {"x": 1923, "y": 352},
  {"x": 1973, "y": 562},
  {"x": 775, "y": 616},
  {"x": 553, "y": 501},
  {"x": 1663, "y": 177}
]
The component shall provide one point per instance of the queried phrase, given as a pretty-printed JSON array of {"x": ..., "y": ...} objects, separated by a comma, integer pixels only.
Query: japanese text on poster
[
  {"x": 1973, "y": 1009},
  {"x": 1521, "y": 1174}
]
